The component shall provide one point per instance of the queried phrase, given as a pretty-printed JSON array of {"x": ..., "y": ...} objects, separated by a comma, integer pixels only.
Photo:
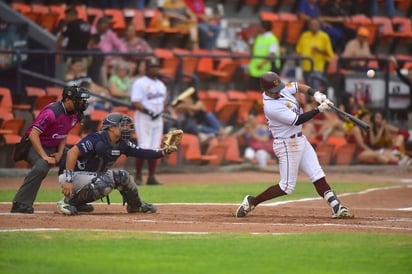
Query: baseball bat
[
  {"x": 352, "y": 118},
  {"x": 186, "y": 93}
]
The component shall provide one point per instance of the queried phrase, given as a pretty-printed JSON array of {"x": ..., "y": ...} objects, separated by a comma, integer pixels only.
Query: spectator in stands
[
  {"x": 370, "y": 7},
  {"x": 334, "y": 14},
  {"x": 358, "y": 48},
  {"x": 314, "y": 44},
  {"x": 259, "y": 141},
  {"x": 109, "y": 42},
  {"x": 77, "y": 76},
  {"x": 385, "y": 135},
  {"x": 347, "y": 103},
  {"x": 364, "y": 152},
  {"x": 265, "y": 44},
  {"x": 135, "y": 44},
  {"x": 120, "y": 82},
  {"x": 74, "y": 36},
  {"x": 309, "y": 9},
  {"x": 208, "y": 24},
  {"x": 196, "y": 120},
  {"x": 181, "y": 17},
  {"x": 95, "y": 60}
]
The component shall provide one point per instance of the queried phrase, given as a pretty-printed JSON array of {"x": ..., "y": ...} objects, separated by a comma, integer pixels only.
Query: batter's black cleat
[
  {"x": 138, "y": 180},
  {"x": 245, "y": 207},
  {"x": 21, "y": 208},
  {"x": 143, "y": 208},
  {"x": 341, "y": 213},
  {"x": 85, "y": 208},
  {"x": 151, "y": 181}
]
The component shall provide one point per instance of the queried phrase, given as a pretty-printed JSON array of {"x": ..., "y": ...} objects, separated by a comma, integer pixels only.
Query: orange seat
[
  {"x": 56, "y": 91},
  {"x": 136, "y": 17},
  {"x": 219, "y": 150},
  {"x": 41, "y": 102},
  {"x": 7, "y": 101},
  {"x": 232, "y": 154},
  {"x": 191, "y": 150},
  {"x": 13, "y": 130},
  {"x": 294, "y": 27},
  {"x": 245, "y": 104},
  {"x": 98, "y": 115},
  {"x": 117, "y": 19},
  {"x": 93, "y": 15},
  {"x": 345, "y": 153},
  {"x": 324, "y": 152},
  {"x": 35, "y": 91},
  {"x": 337, "y": 141},
  {"x": 82, "y": 13},
  {"x": 210, "y": 103},
  {"x": 20, "y": 7}
]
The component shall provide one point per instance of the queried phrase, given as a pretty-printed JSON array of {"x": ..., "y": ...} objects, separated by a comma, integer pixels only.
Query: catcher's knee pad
[
  {"x": 100, "y": 187},
  {"x": 122, "y": 180}
]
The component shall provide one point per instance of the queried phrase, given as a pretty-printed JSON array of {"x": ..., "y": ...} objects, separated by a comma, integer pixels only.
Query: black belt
[{"x": 291, "y": 137}]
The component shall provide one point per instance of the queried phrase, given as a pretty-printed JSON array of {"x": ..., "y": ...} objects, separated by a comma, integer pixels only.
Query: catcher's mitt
[{"x": 171, "y": 140}]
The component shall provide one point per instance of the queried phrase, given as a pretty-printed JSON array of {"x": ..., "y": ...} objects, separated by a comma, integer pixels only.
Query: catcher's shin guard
[
  {"x": 100, "y": 187},
  {"x": 127, "y": 188}
]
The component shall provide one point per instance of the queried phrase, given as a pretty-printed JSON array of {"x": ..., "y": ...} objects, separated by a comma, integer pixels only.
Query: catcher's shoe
[
  {"x": 138, "y": 180},
  {"x": 151, "y": 181},
  {"x": 245, "y": 207},
  {"x": 21, "y": 208},
  {"x": 85, "y": 208},
  {"x": 143, "y": 208},
  {"x": 66, "y": 209},
  {"x": 341, "y": 213}
]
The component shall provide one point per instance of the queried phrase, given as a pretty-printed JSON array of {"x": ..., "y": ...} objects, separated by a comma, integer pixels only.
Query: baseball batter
[
  {"x": 148, "y": 97},
  {"x": 285, "y": 118},
  {"x": 85, "y": 174}
]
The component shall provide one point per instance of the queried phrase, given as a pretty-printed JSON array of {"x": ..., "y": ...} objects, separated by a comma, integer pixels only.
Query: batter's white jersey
[
  {"x": 283, "y": 112},
  {"x": 151, "y": 93},
  {"x": 292, "y": 149}
]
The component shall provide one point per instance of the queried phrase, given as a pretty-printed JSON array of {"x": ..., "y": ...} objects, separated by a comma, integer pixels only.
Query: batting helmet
[
  {"x": 270, "y": 82},
  {"x": 78, "y": 95},
  {"x": 118, "y": 120}
]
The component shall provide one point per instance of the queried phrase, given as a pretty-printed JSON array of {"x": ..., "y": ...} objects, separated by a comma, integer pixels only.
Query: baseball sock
[
  {"x": 139, "y": 166},
  {"x": 270, "y": 193},
  {"x": 321, "y": 186},
  {"x": 152, "y": 167}
]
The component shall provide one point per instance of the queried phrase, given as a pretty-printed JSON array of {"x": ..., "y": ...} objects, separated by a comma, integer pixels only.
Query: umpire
[{"x": 48, "y": 134}]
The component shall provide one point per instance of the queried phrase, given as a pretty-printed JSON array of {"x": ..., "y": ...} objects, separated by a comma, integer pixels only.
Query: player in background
[
  {"x": 48, "y": 134},
  {"x": 294, "y": 152},
  {"x": 148, "y": 97},
  {"x": 85, "y": 174}
]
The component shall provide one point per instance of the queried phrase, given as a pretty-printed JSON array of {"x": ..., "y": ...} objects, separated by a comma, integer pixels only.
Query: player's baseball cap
[
  {"x": 152, "y": 61},
  {"x": 270, "y": 82}
]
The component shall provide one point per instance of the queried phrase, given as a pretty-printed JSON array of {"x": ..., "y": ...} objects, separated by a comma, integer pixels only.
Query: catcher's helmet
[
  {"x": 118, "y": 120},
  {"x": 270, "y": 82},
  {"x": 78, "y": 95}
]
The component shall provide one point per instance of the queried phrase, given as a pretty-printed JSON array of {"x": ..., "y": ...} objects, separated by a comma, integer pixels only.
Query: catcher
[{"x": 85, "y": 174}]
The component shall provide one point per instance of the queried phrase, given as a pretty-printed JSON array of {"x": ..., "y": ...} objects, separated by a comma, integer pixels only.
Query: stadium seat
[
  {"x": 345, "y": 153},
  {"x": 325, "y": 153},
  {"x": 117, "y": 19},
  {"x": 7, "y": 101},
  {"x": 136, "y": 17},
  {"x": 35, "y": 91},
  {"x": 245, "y": 104},
  {"x": 191, "y": 150},
  {"x": 93, "y": 15},
  {"x": 41, "y": 102},
  {"x": 12, "y": 129},
  {"x": 294, "y": 27}
]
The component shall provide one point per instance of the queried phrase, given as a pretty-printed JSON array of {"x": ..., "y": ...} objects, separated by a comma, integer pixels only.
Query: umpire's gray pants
[{"x": 39, "y": 169}]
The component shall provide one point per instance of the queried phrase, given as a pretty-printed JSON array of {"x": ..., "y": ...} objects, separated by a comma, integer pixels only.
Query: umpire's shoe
[
  {"x": 21, "y": 208},
  {"x": 245, "y": 207},
  {"x": 151, "y": 181},
  {"x": 66, "y": 209},
  {"x": 138, "y": 180},
  {"x": 143, "y": 208}
]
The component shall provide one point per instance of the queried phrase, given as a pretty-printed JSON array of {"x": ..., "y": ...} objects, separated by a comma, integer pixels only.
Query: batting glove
[
  {"x": 328, "y": 102},
  {"x": 319, "y": 97},
  {"x": 323, "y": 106}
]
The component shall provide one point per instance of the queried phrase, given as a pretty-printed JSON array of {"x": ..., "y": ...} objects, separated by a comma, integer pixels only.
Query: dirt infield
[{"x": 387, "y": 210}]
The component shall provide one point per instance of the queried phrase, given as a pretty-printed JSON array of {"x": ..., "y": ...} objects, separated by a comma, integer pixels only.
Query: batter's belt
[{"x": 291, "y": 137}]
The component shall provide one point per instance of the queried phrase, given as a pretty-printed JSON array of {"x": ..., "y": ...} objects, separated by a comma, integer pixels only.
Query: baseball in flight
[{"x": 370, "y": 73}]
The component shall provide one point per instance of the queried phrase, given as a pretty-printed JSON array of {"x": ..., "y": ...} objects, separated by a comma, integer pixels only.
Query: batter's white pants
[{"x": 296, "y": 154}]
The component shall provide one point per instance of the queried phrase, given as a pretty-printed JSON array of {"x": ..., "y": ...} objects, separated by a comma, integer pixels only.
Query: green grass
[
  {"x": 136, "y": 252},
  {"x": 126, "y": 252},
  {"x": 207, "y": 193}
]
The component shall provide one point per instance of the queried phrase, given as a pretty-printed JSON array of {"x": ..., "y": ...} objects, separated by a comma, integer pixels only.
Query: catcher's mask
[
  {"x": 78, "y": 95},
  {"x": 118, "y": 120}
]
